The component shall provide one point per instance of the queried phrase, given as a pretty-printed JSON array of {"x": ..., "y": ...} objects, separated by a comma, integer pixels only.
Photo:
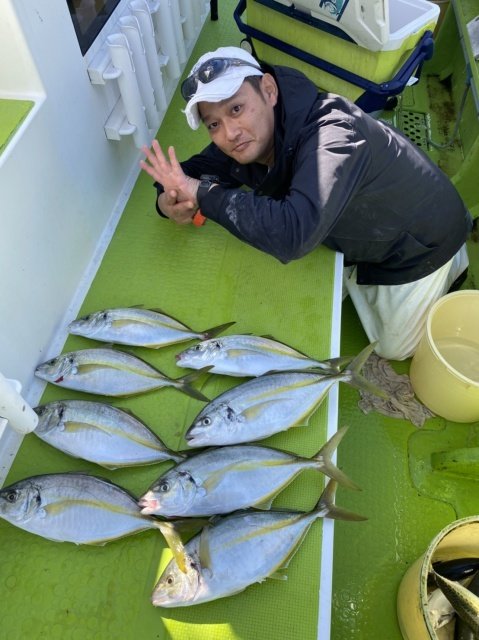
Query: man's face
[{"x": 243, "y": 126}]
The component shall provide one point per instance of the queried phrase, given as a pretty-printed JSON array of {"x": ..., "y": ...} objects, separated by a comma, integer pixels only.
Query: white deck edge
[
  {"x": 10, "y": 440},
  {"x": 326, "y": 575}
]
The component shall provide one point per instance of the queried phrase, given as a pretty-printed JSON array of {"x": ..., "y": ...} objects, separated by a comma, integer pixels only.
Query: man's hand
[
  {"x": 181, "y": 212},
  {"x": 178, "y": 202}
]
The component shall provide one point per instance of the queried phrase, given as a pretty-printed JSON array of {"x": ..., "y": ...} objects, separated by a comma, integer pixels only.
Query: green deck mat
[
  {"x": 204, "y": 277},
  {"x": 406, "y": 500},
  {"x": 12, "y": 114}
]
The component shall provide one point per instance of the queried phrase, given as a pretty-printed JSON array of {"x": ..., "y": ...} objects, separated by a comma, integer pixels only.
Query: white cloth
[{"x": 395, "y": 315}]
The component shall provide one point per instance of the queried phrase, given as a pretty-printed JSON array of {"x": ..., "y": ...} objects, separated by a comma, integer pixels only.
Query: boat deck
[{"x": 405, "y": 500}]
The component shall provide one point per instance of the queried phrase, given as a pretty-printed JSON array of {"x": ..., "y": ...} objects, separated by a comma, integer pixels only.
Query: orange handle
[{"x": 199, "y": 219}]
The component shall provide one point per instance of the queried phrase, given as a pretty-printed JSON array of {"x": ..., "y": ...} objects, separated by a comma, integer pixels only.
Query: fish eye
[
  {"x": 11, "y": 496},
  {"x": 170, "y": 579},
  {"x": 164, "y": 487},
  {"x": 71, "y": 359},
  {"x": 197, "y": 347},
  {"x": 206, "y": 422}
]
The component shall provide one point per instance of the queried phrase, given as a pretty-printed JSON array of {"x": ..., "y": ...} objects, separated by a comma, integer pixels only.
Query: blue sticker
[{"x": 335, "y": 7}]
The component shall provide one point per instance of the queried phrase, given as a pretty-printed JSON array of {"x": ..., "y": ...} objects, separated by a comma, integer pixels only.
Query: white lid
[{"x": 375, "y": 24}]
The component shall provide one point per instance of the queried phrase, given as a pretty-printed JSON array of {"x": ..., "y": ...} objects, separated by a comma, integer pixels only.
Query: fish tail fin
[
  {"x": 327, "y": 466},
  {"x": 359, "y": 381},
  {"x": 173, "y": 540},
  {"x": 327, "y": 509},
  {"x": 214, "y": 331},
  {"x": 171, "y": 533},
  {"x": 184, "y": 384},
  {"x": 336, "y": 365}
]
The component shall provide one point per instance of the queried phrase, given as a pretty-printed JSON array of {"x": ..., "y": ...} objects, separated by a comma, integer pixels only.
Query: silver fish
[
  {"x": 247, "y": 355},
  {"x": 226, "y": 479},
  {"x": 239, "y": 550},
  {"x": 269, "y": 404},
  {"x": 73, "y": 507},
  {"x": 464, "y": 601},
  {"x": 138, "y": 327},
  {"x": 109, "y": 372},
  {"x": 100, "y": 433},
  {"x": 462, "y": 630},
  {"x": 439, "y": 609}
]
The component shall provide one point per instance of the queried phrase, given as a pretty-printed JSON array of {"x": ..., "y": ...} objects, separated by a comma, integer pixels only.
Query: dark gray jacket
[{"x": 342, "y": 179}]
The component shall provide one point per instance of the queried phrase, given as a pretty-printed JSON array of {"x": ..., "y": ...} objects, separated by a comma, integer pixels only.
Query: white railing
[{"x": 142, "y": 59}]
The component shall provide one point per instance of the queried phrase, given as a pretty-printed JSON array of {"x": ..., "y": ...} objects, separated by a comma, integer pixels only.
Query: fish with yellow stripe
[
  {"x": 239, "y": 550},
  {"x": 110, "y": 372},
  {"x": 250, "y": 355},
  {"x": 100, "y": 433},
  {"x": 465, "y": 603},
  {"x": 73, "y": 507},
  {"x": 269, "y": 404},
  {"x": 226, "y": 479},
  {"x": 138, "y": 327}
]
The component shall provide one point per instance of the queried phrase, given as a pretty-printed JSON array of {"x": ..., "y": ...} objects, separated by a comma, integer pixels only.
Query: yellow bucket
[
  {"x": 445, "y": 368},
  {"x": 460, "y": 539}
]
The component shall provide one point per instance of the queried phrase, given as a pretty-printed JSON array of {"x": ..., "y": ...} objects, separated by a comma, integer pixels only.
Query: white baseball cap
[{"x": 226, "y": 84}]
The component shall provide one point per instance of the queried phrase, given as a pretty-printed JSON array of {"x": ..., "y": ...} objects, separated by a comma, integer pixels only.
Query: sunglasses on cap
[{"x": 209, "y": 71}]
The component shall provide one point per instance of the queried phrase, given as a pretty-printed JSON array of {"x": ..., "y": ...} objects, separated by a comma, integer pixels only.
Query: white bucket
[{"x": 445, "y": 368}]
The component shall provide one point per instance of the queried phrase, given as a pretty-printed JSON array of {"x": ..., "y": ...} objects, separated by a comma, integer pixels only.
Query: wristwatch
[{"x": 206, "y": 181}]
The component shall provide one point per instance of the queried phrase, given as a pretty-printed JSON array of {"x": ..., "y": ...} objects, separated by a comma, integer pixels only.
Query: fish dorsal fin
[
  {"x": 264, "y": 506},
  {"x": 131, "y": 413},
  {"x": 277, "y": 575},
  {"x": 167, "y": 315},
  {"x": 288, "y": 346}
]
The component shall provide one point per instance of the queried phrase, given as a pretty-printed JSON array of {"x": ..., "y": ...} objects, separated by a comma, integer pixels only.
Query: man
[{"x": 319, "y": 171}]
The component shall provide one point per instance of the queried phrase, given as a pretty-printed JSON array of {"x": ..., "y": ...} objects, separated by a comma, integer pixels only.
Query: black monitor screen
[{"x": 89, "y": 18}]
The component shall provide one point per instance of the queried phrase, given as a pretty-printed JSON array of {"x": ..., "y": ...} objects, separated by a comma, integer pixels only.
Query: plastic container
[
  {"x": 445, "y": 368},
  {"x": 331, "y": 58},
  {"x": 460, "y": 539},
  {"x": 378, "y": 25}
]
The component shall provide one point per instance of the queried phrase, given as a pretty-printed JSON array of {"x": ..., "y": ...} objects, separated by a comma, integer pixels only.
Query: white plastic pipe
[
  {"x": 179, "y": 37},
  {"x": 130, "y": 27},
  {"x": 129, "y": 90},
  {"x": 13, "y": 407},
  {"x": 142, "y": 13},
  {"x": 189, "y": 28},
  {"x": 163, "y": 21},
  {"x": 198, "y": 12}
]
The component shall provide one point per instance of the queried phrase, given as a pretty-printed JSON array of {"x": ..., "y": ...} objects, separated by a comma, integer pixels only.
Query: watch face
[
  {"x": 205, "y": 184},
  {"x": 209, "y": 178}
]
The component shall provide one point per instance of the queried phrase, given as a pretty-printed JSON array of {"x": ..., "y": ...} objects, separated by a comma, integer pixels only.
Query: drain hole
[{"x": 414, "y": 125}]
